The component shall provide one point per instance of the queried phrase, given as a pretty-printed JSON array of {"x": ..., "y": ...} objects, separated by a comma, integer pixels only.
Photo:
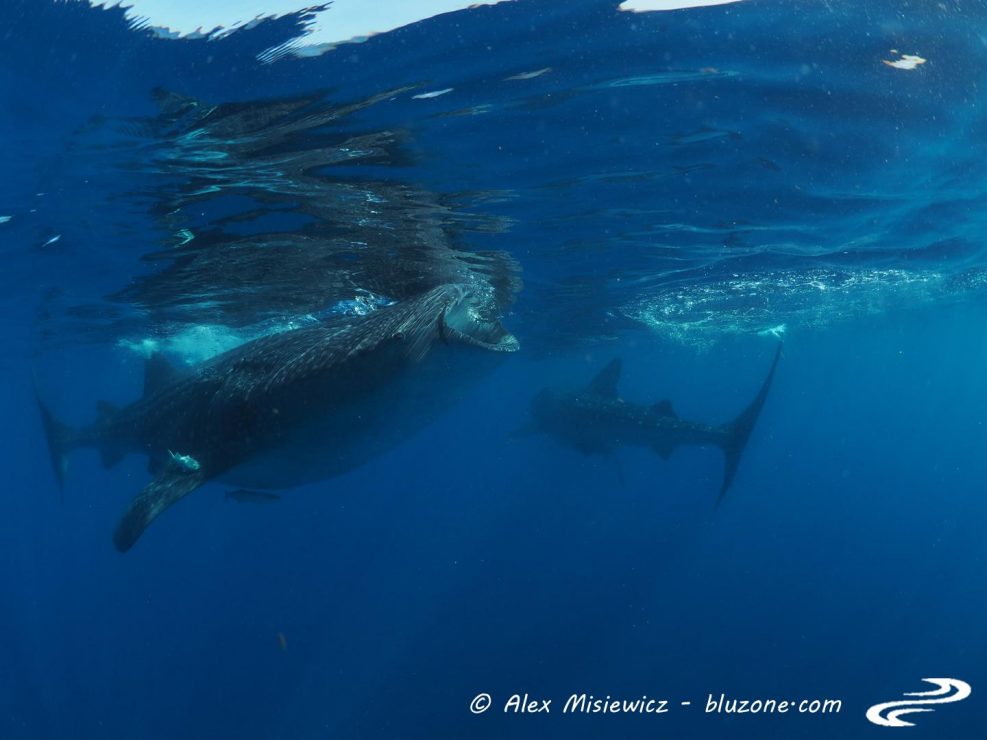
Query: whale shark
[
  {"x": 295, "y": 407},
  {"x": 596, "y": 420}
]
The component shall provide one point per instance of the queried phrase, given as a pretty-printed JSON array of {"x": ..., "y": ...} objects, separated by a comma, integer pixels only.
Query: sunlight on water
[
  {"x": 641, "y": 6},
  {"x": 678, "y": 188},
  {"x": 340, "y": 22},
  {"x": 612, "y": 346},
  {"x": 672, "y": 77},
  {"x": 748, "y": 304},
  {"x": 198, "y": 343}
]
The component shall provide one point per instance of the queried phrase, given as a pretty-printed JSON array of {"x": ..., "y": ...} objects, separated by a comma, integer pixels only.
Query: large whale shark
[
  {"x": 596, "y": 420},
  {"x": 294, "y": 407}
]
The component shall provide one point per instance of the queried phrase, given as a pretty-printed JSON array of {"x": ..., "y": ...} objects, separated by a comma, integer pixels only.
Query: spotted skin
[{"x": 253, "y": 398}]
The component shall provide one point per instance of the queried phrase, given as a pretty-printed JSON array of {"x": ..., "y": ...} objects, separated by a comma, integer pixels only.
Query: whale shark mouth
[{"x": 463, "y": 321}]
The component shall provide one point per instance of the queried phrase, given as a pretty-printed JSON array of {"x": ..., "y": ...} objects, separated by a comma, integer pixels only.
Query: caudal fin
[
  {"x": 60, "y": 440},
  {"x": 739, "y": 430}
]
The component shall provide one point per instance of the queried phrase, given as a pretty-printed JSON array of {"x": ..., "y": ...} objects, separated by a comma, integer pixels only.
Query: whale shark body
[
  {"x": 595, "y": 420},
  {"x": 294, "y": 407}
]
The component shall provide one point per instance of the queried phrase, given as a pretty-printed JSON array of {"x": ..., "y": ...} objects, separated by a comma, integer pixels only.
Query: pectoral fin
[
  {"x": 111, "y": 453},
  {"x": 165, "y": 490},
  {"x": 664, "y": 449}
]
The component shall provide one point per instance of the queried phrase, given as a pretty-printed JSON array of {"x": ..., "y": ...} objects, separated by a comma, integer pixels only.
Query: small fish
[
  {"x": 246, "y": 496},
  {"x": 185, "y": 463},
  {"x": 907, "y": 61},
  {"x": 283, "y": 641}
]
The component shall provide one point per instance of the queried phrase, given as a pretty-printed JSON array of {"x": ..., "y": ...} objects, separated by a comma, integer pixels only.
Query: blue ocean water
[{"x": 679, "y": 190}]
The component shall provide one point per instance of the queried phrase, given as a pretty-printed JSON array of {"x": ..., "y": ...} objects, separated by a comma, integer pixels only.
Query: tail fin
[
  {"x": 60, "y": 441},
  {"x": 739, "y": 430}
]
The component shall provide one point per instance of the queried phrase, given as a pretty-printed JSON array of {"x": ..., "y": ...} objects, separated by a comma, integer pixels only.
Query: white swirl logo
[{"x": 949, "y": 690}]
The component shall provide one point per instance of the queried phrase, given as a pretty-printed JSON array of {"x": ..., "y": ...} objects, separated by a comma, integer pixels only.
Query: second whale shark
[{"x": 596, "y": 420}]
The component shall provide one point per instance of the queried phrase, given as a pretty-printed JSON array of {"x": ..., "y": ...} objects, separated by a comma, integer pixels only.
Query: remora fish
[
  {"x": 596, "y": 420},
  {"x": 247, "y": 496},
  {"x": 295, "y": 407}
]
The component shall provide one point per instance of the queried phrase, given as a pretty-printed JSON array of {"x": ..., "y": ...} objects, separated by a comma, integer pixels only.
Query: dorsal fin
[
  {"x": 664, "y": 449},
  {"x": 105, "y": 411},
  {"x": 111, "y": 454},
  {"x": 605, "y": 383},
  {"x": 664, "y": 408},
  {"x": 158, "y": 374}
]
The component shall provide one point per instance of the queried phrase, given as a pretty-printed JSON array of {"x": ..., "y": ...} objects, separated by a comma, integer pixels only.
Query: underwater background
[{"x": 680, "y": 190}]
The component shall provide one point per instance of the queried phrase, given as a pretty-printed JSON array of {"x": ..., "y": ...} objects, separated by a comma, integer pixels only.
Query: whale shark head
[{"x": 469, "y": 317}]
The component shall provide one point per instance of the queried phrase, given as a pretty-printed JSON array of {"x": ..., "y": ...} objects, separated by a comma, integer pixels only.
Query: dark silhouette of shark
[
  {"x": 294, "y": 407},
  {"x": 595, "y": 420}
]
